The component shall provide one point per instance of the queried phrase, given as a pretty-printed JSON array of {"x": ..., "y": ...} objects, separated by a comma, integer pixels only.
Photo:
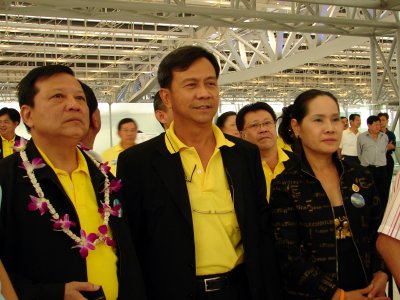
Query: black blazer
[
  {"x": 159, "y": 213},
  {"x": 17, "y": 137},
  {"x": 40, "y": 260}
]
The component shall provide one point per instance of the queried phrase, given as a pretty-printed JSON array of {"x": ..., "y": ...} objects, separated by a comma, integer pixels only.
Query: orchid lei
[{"x": 84, "y": 242}]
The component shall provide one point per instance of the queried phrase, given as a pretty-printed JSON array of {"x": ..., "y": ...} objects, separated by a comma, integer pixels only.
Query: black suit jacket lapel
[
  {"x": 170, "y": 168},
  {"x": 234, "y": 175}
]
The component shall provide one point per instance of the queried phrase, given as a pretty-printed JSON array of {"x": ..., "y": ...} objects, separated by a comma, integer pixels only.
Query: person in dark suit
[
  {"x": 9, "y": 120},
  {"x": 194, "y": 196},
  {"x": 63, "y": 234}
]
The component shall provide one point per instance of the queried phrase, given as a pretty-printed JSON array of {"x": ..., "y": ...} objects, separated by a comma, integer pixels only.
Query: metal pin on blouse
[
  {"x": 357, "y": 200},
  {"x": 355, "y": 188}
]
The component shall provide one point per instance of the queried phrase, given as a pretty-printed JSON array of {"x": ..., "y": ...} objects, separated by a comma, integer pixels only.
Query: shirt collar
[
  {"x": 174, "y": 144},
  {"x": 282, "y": 156},
  {"x": 5, "y": 140},
  {"x": 82, "y": 164}
]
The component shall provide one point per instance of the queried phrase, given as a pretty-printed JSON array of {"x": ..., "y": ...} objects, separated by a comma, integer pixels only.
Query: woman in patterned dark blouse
[{"x": 324, "y": 212}]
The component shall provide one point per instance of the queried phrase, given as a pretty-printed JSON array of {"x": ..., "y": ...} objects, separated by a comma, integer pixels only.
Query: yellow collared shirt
[
  {"x": 101, "y": 263},
  {"x": 217, "y": 236},
  {"x": 111, "y": 156},
  {"x": 7, "y": 146},
  {"x": 269, "y": 175}
]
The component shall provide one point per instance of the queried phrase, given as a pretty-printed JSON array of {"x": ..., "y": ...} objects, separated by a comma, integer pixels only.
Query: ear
[
  {"x": 165, "y": 95},
  {"x": 295, "y": 127},
  {"x": 95, "y": 121},
  {"x": 160, "y": 116},
  {"x": 26, "y": 115},
  {"x": 243, "y": 135}
]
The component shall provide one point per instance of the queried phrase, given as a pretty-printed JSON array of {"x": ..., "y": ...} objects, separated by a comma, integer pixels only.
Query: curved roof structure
[{"x": 268, "y": 50}]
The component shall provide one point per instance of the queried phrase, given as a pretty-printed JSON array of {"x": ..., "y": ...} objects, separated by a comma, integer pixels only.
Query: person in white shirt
[
  {"x": 388, "y": 242},
  {"x": 348, "y": 145}
]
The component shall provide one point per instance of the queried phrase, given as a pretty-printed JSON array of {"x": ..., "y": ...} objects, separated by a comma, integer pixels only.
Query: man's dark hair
[
  {"x": 26, "y": 89},
  {"x": 352, "y": 117},
  {"x": 158, "y": 104},
  {"x": 12, "y": 113},
  {"x": 91, "y": 99},
  {"x": 180, "y": 60},
  {"x": 372, "y": 119},
  {"x": 222, "y": 118},
  {"x": 252, "y": 107},
  {"x": 383, "y": 114},
  {"x": 125, "y": 121},
  {"x": 342, "y": 118}
]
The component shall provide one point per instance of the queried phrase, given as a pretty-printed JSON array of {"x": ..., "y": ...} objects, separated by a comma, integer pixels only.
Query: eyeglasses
[
  {"x": 256, "y": 126},
  {"x": 191, "y": 175},
  {"x": 212, "y": 212}
]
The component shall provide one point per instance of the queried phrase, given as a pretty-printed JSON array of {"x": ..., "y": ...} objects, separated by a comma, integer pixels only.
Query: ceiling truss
[{"x": 268, "y": 50}]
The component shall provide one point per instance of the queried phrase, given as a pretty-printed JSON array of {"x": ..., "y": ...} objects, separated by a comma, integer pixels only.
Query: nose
[
  {"x": 329, "y": 126},
  {"x": 203, "y": 91},
  {"x": 73, "y": 103}
]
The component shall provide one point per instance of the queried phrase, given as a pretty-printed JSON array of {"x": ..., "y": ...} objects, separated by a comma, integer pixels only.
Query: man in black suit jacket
[
  {"x": 194, "y": 196},
  {"x": 63, "y": 234},
  {"x": 9, "y": 120}
]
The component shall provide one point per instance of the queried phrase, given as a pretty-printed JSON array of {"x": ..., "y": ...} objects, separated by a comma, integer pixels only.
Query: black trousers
[
  {"x": 381, "y": 183},
  {"x": 351, "y": 159}
]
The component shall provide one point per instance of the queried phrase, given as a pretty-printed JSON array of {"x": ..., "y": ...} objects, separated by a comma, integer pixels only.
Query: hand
[
  {"x": 72, "y": 290},
  {"x": 360, "y": 294},
  {"x": 379, "y": 285}
]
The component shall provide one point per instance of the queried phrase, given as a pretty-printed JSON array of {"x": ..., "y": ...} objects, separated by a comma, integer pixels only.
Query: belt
[{"x": 216, "y": 282}]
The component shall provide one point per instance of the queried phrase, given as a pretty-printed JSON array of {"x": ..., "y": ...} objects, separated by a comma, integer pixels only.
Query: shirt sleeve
[{"x": 391, "y": 220}]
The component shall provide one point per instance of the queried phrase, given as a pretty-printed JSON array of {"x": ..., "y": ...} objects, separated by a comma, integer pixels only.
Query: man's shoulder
[
  {"x": 146, "y": 148},
  {"x": 8, "y": 164},
  {"x": 240, "y": 144}
]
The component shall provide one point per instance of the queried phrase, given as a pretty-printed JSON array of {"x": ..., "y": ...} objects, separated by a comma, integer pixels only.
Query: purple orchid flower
[
  {"x": 63, "y": 222},
  {"x": 105, "y": 167},
  {"x": 115, "y": 185},
  {"x": 86, "y": 243},
  {"x": 36, "y": 163},
  {"x": 37, "y": 204},
  {"x": 83, "y": 147},
  {"x": 20, "y": 145},
  {"x": 103, "y": 231},
  {"x": 114, "y": 211}
]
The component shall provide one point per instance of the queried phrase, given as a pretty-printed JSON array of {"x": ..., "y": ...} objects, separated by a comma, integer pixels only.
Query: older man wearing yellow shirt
[
  {"x": 257, "y": 124},
  {"x": 64, "y": 234}
]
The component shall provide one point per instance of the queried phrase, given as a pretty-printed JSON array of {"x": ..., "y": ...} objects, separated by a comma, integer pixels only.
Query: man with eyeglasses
[
  {"x": 194, "y": 196},
  {"x": 127, "y": 131},
  {"x": 256, "y": 123}
]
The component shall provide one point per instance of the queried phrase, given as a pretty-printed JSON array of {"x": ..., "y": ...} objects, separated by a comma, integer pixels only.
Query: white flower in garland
[{"x": 84, "y": 242}]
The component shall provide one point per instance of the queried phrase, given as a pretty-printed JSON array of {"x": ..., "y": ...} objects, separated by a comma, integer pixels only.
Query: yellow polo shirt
[
  {"x": 218, "y": 243},
  {"x": 281, "y": 144},
  {"x": 269, "y": 175},
  {"x": 7, "y": 146},
  {"x": 101, "y": 263},
  {"x": 111, "y": 156}
]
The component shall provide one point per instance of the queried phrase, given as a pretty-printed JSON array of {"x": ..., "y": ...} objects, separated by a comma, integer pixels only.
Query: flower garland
[{"x": 84, "y": 242}]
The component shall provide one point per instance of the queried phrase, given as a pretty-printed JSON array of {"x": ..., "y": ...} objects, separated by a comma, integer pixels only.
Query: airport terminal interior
[{"x": 268, "y": 51}]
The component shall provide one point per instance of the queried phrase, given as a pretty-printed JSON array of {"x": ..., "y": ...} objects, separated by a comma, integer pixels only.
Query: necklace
[{"x": 84, "y": 242}]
